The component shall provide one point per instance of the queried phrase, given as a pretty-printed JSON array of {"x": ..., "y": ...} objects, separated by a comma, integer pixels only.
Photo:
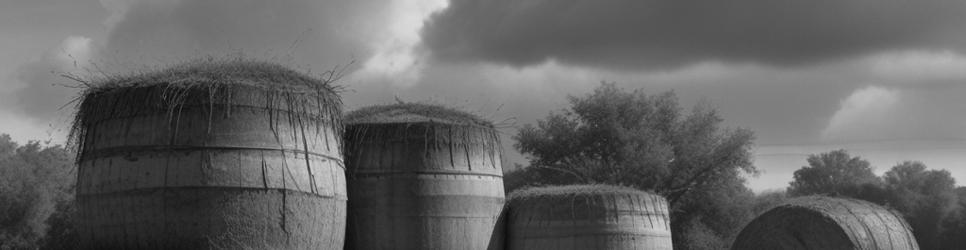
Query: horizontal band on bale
[
  {"x": 417, "y": 173},
  {"x": 206, "y": 218},
  {"x": 148, "y": 191},
  {"x": 115, "y": 151}
]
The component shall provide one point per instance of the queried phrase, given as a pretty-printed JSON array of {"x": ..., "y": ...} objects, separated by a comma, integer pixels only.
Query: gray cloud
[
  {"x": 662, "y": 34},
  {"x": 303, "y": 33},
  {"x": 307, "y": 35}
]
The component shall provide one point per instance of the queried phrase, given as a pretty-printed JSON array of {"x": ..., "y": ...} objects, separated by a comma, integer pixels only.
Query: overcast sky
[{"x": 885, "y": 80}]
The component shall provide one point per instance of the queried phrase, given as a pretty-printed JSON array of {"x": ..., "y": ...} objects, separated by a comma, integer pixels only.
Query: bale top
[
  {"x": 570, "y": 190},
  {"x": 413, "y": 113},
  {"x": 205, "y": 72},
  {"x": 285, "y": 93}
]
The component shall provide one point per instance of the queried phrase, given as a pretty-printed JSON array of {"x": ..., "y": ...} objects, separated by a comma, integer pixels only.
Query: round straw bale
[
  {"x": 818, "y": 222},
  {"x": 423, "y": 177},
  {"x": 587, "y": 217},
  {"x": 233, "y": 155}
]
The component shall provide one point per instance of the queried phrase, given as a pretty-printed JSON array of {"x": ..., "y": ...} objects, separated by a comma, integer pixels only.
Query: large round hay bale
[
  {"x": 587, "y": 217},
  {"x": 423, "y": 177},
  {"x": 232, "y": 155},
  {"x": 827, "y": 223}
]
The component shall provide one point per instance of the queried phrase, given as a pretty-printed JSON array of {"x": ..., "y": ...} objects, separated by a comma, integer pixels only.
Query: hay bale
[
  {"x": 236, "y": 155},
  {"x": 827, "y": 223},
  {"x": 422, "y": 177},
  {"x": 587, "y": 217}
]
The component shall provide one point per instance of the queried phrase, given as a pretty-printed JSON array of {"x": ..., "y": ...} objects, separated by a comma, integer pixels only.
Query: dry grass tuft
[
  {"x": 569, "y": 191},
  {"x": 413, "y": 113}
]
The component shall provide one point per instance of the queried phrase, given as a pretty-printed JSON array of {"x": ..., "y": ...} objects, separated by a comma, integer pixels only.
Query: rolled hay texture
[
  {"x": 827, "y": 223},
  {"x": 227, "y": 155},
  {"x": 587, "y": 217},
  {"x": 423, "y": 177}
]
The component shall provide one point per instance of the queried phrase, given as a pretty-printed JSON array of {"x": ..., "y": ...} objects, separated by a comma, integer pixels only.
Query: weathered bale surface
[
  {"x": 235, "y": 155},
  {"x": 587, "y": 217},
  {"x": 423, "y": 177},
  {"x": 827, "y": 223}
]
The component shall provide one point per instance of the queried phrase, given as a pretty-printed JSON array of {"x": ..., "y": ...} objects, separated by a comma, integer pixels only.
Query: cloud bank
[{"x": 665, "y": 34}]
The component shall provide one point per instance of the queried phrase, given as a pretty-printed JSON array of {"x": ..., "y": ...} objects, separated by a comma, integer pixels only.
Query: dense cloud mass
[
  {"x": 302, "y": 32},
  {"x": 661, "y": 34}
]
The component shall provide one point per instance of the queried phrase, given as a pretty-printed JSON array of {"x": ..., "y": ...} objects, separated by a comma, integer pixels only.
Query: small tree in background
[
  {"x": 644, "y": 141},
  {"x": 835, "y": 173},
  {"x": 926, "y": 198},
  {"x": 36, "y": 183}
]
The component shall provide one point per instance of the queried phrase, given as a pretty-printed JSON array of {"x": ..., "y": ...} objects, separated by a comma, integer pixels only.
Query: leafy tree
[
  {"x": 835, "y": 173},
  {"x": 34, "y": 181},
  {"x": 645, "y": 141},
  {"x": 925, "y": 197},
  {"x": 955, "y": 224}
]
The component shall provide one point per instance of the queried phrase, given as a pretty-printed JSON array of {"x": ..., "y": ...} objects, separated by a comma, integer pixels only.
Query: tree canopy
[
  {"x": 630, "y": 138},
  {"x": 834, "y": 173},
  {"x": 36, "y": 182}
]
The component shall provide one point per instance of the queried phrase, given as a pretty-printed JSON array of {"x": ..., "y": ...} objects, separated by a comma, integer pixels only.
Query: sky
[{"x": 882, "y": 79}]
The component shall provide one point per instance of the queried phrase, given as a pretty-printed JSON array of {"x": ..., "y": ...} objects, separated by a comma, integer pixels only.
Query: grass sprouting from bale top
[
  {"x": 284, "y": 93},
  {"x": 412, "y": 113},
  {"x": 570, "y": 191}
]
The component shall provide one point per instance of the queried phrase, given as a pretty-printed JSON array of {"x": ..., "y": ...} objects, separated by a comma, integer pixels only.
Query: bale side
[
  {"x": 424, "y": 185},
  {"x": 827, "y": 223},
  {"x": 587, "y": 217},
  {"x": 210, "y": 156}
]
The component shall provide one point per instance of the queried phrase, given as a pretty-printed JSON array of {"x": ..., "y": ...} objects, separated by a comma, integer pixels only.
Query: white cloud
[
  {"x": 878, "y": 113},
  {"x": 866, "y": 114},
  {"x": 397, "y": 58},
  {"x": 74, "y": 53}
]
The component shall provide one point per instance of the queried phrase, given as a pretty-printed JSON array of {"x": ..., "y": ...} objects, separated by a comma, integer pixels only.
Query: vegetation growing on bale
[
  {"x": 284, "y": 93},
  {"x": 412, "y": 112},
  {"x": 569, "y": 191}
]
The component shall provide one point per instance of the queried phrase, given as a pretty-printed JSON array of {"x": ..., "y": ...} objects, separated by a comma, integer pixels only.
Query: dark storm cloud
[
  {"x": 313, "y": 33},
  {"x": 648, "y": 34}
]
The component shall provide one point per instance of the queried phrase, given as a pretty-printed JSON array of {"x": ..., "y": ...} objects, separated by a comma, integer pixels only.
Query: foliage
[
  {"x": 36, "y": 184},
  {"x": 613, "y": 136},
  {"x": 925, "y": 197},
  {"x": 834, "y": 173},
  {"x": 955, "y": 225}
]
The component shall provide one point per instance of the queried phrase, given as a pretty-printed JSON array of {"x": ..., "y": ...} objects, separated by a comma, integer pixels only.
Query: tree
[
  {"x": 955, "y": 225},
  {"x": 644, "y": 141},
  {"x": 835, "y": 173},
  {"x": 926, "y": 198},
  {"x": 35, "y": 183}
]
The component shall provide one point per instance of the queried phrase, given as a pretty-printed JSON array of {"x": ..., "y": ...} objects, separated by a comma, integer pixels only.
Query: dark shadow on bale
[
  {"x": 587, "y": 217},
  {"x": 210, "y": 154},
  {"x": 423, "y": 177},
  {"x": 819, "y": 222}
]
